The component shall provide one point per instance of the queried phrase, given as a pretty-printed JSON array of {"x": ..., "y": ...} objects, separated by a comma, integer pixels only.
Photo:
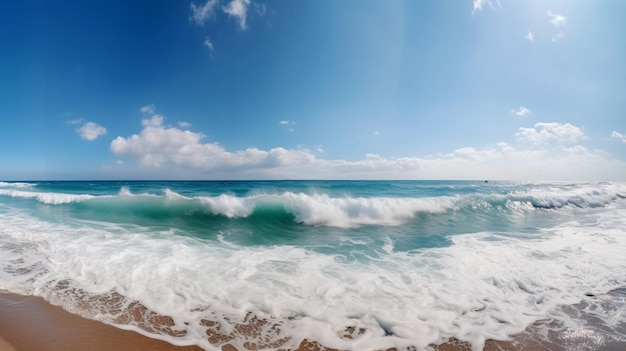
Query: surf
[
  {"x": 367, "y": 265},
  {"x": 485, "y": 284}
]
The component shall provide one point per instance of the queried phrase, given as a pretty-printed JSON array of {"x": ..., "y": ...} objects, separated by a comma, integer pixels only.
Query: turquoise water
[{"x": 408, "y": 262}]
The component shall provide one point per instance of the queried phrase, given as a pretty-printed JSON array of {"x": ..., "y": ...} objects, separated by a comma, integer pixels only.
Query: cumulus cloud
[
  {"x": 158, "y": 145},
  {"x": 166, "y": 151},
  {"x": 200, "y": 14},
  {"x": 618, "y": 136},
  {"x": 521, "y": 111},
  {"x": 239, "y": 10},
  {"x": 153, "y": 121},
  {"x": 548, "y": 132},
  {"x": 91, "y": 131},
  {"x": 530, "y": 36}
]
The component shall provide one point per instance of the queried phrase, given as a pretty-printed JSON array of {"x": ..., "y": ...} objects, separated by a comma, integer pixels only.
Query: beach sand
[{"x": 30, "y": 323}]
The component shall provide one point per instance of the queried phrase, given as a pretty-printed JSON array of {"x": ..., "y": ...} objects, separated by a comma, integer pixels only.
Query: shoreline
[{"x": 31, "y": 323}]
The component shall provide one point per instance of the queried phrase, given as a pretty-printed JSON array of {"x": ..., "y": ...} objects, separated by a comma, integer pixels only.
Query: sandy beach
[{"x": 30, "y": 323}]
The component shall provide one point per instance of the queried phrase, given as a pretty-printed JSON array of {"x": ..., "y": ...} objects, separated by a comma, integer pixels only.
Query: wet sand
[
  {"x": 30, "y": 323},
  {"x": 5, "y": 346}
]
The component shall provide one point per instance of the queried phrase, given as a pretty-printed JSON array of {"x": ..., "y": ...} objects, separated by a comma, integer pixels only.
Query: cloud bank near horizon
[{"x": 546, "y": 151}]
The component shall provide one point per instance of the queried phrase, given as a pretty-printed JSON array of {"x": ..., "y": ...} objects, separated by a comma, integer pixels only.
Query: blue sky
[{"x": 238, "y": 89}]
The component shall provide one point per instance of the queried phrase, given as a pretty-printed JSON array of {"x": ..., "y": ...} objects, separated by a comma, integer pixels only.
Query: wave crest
[
  {"x": 15, "y": 185},
  {"x": 320, "y": 209},
  {"x": 47, "y": 198}
]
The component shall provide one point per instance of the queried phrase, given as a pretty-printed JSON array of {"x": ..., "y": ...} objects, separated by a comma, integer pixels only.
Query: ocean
[{"x": 353, "y": 265}]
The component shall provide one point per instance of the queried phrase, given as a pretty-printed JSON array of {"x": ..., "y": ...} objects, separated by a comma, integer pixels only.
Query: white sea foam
[
  {"x": 352, "y": 212},
  {"x": 47, "y": 198},
  {"x": 578, "y": 195},
  {"x": 229, "y": 206},
  {"x": 485, "y": 285},
  {"x": 16, "y": 185},
  {"x": 323, "y": 210},
  {"x": 125, "y": 191}
]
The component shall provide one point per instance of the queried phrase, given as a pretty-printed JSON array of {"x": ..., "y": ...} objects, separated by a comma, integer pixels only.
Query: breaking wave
[{"x": 323, "y": 209}]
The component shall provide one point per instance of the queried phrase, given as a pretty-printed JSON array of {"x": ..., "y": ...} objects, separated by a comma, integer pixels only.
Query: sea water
[{"x": 355, "y": 265}]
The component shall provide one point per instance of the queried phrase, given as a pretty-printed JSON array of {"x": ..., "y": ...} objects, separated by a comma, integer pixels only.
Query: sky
[{"x": 325, "y": 89}]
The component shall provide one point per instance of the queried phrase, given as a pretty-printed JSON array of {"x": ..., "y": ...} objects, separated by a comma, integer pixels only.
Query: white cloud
[
  {"x": 548, "y": 132},
  {"x": 153, "y": 121},
  {"x": 168, "y": 152},
  {"x": 184, "y": 124},
  {"x": 239, "y": 10},
  {"x": 530, "y": 36},
  {"x": 207, "y": 42},
  {"x": 91, "y": 131},
  {"x": 200, "y": 14},
  {"x": 164, "y": 147},
  {"x": 288, "y": 124},
  {"x": 556, "y": 19},
  {"x": 148, "y": 109},
  {"x": 619, "y": 136},
  {"x": 478, "y": 5},
  {"x": 521, "y": 111}
]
